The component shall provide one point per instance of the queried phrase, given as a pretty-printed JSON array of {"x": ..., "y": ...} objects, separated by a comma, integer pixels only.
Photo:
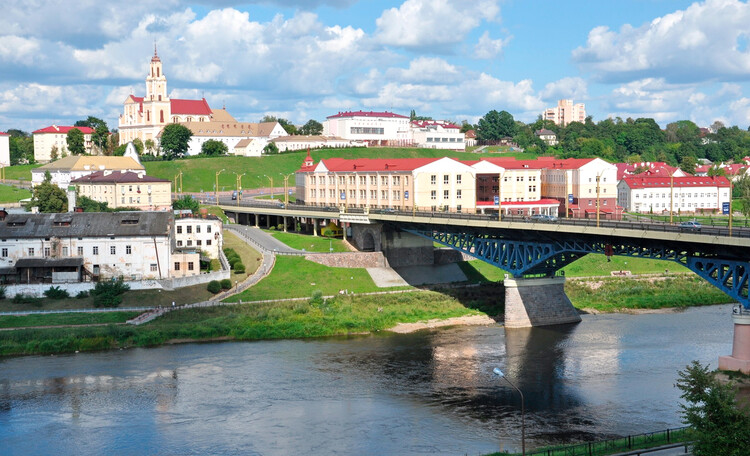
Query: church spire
[{"x": 155, "y": 58}]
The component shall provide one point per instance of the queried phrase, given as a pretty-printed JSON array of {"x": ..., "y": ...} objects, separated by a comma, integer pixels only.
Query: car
[
  {"x": 690, "y": 226},
  {"x": 234, "y": 195},
  {"x": 543, "y": 218}
]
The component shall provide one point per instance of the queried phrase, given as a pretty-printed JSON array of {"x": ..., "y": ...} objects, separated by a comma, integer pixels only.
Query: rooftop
[
  {"x": 85, "y": 224},
  {"x": 366, "y": 114}
]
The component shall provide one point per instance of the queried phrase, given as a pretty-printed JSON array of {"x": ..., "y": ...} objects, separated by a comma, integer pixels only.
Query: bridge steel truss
[{"x": 534, "y": 253}]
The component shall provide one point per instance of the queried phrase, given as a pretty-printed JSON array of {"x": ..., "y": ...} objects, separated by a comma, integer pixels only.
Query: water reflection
[{"x": 429, "y": 392}]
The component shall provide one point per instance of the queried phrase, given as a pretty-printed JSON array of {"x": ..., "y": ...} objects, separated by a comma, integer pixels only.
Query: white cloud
[
  {"x": 433, "y": 23},
  {"x": 568, "y": 88},
  {"x": 700, "y": 43},
  {"x": 426, "y": 70},
  {"x": 487, "y": 48}
]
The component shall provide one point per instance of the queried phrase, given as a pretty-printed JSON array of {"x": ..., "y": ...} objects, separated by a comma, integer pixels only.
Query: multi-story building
[
  {"x": 55, "y": 136},
  {"x": 74, "y": 247},
  {"x": 126, "y": 189},
  {"x": 4, "y": 149},
  {"x": 565, "y": 112},
  {"x": 302, "y": 142},
  {"x": 679, "y": 194},
  {"x": 376, "y": 128},
  {"x": 438, "y": 134},
  {"x": 201, "y": 233},
  {"x": 548, "y": 136},
  {"x": 231, "y": 133},
  {"x": 76, "y": 166}
]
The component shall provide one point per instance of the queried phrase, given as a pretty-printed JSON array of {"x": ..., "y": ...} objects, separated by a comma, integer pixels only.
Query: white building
[
  {"x": 437, "y": 134},
  {"x": 565, "y": 112},
  {"x": 548, "y": 136},
  {"x": 76, "y": 166},
  {"x": 374, "y": 128},
  {"x": 203, "y": 234},
  {"x": 300, "y": 142},
  {"x": 74, "y": 247},
  {"x": 4, "y": 149},
  {"x": 682, "y": 194},
  {"x": 57, "y": 136},
  {"x": 232, "y": 133}
]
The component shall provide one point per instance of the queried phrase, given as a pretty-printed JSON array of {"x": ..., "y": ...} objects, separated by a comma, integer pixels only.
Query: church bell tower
[{"x": 156, "y": 102}]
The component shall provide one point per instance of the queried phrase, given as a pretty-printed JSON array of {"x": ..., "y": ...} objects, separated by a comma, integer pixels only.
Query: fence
[{"x": 622, "y": 444}]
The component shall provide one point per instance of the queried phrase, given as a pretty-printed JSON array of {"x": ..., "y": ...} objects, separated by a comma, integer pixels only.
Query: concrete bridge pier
[
  {"x": 739, "y": 360},
  {"x": 537, "y": 302}
]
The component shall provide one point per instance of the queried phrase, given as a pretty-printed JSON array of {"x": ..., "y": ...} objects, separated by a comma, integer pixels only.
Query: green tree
[
  {"x": 138, "y": 144},
  {"x": 21, "y": 147},
  {"x": 186, "y": 202},
  {"x": 54, "y": 153},
  {"x": 495, "y": 125},
  {"x": 150, "y": 146},
  {"x": 174, "y": 141},
  {"x": 285, "y": 124},
  {"x": 312, "y": 127},
  {"x": 214, "y": 148},
  {"x": 74, "y": 140},
  {"x": 716, "y": 171},
  {"x": 688, "y": 164},
  {"x": 88, "y": 205},
  {"x": 719, "y": 423},
  {"x": 101, "y": 131},
  {"x": 271, "y": 149},
  {"x": 48, "y": 196}
]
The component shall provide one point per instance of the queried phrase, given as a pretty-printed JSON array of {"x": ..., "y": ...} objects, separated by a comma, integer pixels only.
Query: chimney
[{"x": 71, "y": 198}]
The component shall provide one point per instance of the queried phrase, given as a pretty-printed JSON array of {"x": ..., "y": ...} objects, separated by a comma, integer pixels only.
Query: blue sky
[{"x": 449, "y": 59}]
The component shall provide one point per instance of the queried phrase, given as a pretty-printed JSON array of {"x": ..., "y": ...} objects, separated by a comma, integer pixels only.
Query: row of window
[
  {"x": 190, "y": 266},
  {"x": 189, "y": 229},
  {"x": 384, "y": 180},
  {"x": 446, "y": 194},
  {"x": 189, "y": 243},
  {"x": 437, "y": 140},
  {"x": 46, "y": 251},
  {"x": 704, "y": 205},
  {"x": 446, "y": 179},
  {"x": 367, "y": 130},
  {"x": 677, "y": 195}
]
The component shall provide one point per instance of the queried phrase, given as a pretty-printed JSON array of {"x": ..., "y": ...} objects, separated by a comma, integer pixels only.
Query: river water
[{"x": 431, "y": 392}]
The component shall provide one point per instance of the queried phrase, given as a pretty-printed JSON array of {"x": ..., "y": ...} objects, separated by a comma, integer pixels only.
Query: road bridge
[{"x": 533, "y": 252}]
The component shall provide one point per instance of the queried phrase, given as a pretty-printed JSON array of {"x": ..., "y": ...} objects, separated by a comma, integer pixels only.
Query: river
[{"x": 430, "y": 392}]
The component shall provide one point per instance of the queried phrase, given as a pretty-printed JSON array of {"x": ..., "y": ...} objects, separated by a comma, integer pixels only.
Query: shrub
[
  {"x": 239, "y": 268},
  {"x": 83, "y": 294},
  {"x": 2, "y": 291},
  {"x": 316, "y": 299},
  {"x": 22, "y": 298},
  {"x": 226, "y": 284},
  {"x": 214, "y": 286},
  {"x": 56, "y": 293},
  {"x": 108, "y": 293}
]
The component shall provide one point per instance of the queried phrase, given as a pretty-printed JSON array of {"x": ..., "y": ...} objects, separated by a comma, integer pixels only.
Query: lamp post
[
  {"x": 598, "y": 178},
  {"x": 216, "y": 188},
  {"x": 178, "y": 178},
  {"x": 500, "y": 196},
  {"x": 500, "y": 374},
  {"x": 238, "y": 177},
  {"x": 731, "y": 189},
  {"x": 671, "y": 197},
  {"x": 286, "y": 187},
  {"x": 270, "y": 179}
]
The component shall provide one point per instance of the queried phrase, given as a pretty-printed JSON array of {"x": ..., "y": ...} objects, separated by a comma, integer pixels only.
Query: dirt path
[{"x": 473, "y": 320}]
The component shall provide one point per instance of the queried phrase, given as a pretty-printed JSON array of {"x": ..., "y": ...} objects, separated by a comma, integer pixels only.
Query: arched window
[
  {"x": 159, "y": 97},
  {"x": 161, "y": 116},
  {"x": 157, "y": 72},
  {"x": 148, "y": 116}
]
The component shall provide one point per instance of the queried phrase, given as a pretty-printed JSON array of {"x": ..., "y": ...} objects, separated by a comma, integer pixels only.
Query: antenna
[{"x": 155, "y": 48}]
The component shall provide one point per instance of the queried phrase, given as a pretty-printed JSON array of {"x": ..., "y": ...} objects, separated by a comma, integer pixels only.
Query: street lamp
[
  {"x": 598, "y": 178},
  {"x": 500, "y": 196},
  {"x": 671, "y": 196},
  {"x": 239, "y": 186},
  {"x": 286, "y": 187},
  {"x": 500, "y": 374},
  {"x": 178, "y": 178},
  {"x": 270, "y": 179},
  {"x": 216, "y": 188},
  {"x": 731, "y": 189}
]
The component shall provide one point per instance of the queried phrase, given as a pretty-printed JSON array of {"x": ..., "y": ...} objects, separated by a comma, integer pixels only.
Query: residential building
[
  {"x": 4, "y": 149},
  {"x": 374, "y": 128},
  {"x": 548, "y": 136},
  {"x": 232, "y": 133},
  {"x": 511, "y": 188},
  {"x": 301, "y": 142},
  {"x": 74, "y": 247},
  {"x": 658, "y": 195},
  {"x": 126, "y": 189},
  {"x": 55, "y": 136},
  {"x": 437, "y": 134},
  {"x": 647, "y": 169},
  {"x": 565, "y": 112},
  {"x": 470, "y": 138},
  {"x": 202, "y": 233},
  {"x": 72, "y": 167}
]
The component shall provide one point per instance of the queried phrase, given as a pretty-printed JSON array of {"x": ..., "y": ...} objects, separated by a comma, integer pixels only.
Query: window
[
  {"x": 458, "y": 178},
  {"x": 128, "y": 250},
  {"x": 446, "y": 194},
  {"x": 433, "y": 179},
  {"x": 384, "y": 194},
  {"x": 208, "y": 241},
  {"x": 179, "y": 229},
  {"x": 46, "y": 251},
  {"x": 189, "y": 243},
  {"x": 197, "y": 229},
  {"x": 396, "y": 180},
  {"x": 198, "y": 242},
  {"x": 179, "y": 243},
  {"x": 190, "y": 265},
  {"x": 189, "y": 229},
  {"x": 153, "y": 267},
  {"x": 176, "y": 265},
  {"x": 95, "y": 250},
  {"x": 5, "y": 252},
  {"x": 433, "y": 194},
  {"x": 446, "y": 179},
  {"x": 397, "y": 195},
  {"x": 208, "y": 229},
  {"x": 80, "y": 251},
  {"x": 112, "y": 250},
  {"x": 458, "y": 194}
]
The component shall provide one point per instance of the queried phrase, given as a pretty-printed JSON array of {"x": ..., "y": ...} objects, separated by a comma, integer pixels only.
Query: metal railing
[{"x": 631, "y": 445}]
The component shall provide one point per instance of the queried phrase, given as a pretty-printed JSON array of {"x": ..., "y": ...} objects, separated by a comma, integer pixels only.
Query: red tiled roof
[
  {"x": 429, "y": 123},
  {"x": 365, "y": 114},
  {"x": 540, "y": 163},
  {"x": 376, "y": 164},
  {"x": 652, "y": 169},
  {"x": 195, "y": 107},
  {"x": 687, "y": 181},
  {"x": 116, "y": 177},
  {"x": 4, "y": 134},
  {"x": 59, "y": 129}
]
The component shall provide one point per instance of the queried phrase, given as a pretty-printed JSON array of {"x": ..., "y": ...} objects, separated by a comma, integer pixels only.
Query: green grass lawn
[
  {"x": 9, "y": 194},
  {"x": 295, "y": 277},
  {"x": 216, "y": 210},
  {"x": 65, "y": 319},
  {"x": 20, "y": 172},
  {"x": 308, "y": 242},
  {"x": 250, "y": 257},
  {"x": 199, "y": 174}
]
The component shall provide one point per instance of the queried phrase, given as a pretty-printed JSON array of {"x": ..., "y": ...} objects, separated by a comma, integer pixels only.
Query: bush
[
  {"x": 2, "y": 291},
  {"x": 226, "y": 284},
  {"x": 22, "y": 298},
  {"x": 56, "y": 293},
  {"x": 108, "y": 293},
  {"x": 83, "y": 294},
  {"x": 239, "y": 268},
  {"x": 316, "y": 299},
  {"x": 214, "y": 286}
]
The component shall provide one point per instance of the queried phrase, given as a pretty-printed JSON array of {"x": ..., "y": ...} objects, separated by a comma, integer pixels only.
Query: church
[{"x": 144, "y": 118}]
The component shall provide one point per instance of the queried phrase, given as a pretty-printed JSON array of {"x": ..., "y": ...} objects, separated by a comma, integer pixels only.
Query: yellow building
[
  {"x": 56, "y": 136},
  {"x": 126, "y": 189}
]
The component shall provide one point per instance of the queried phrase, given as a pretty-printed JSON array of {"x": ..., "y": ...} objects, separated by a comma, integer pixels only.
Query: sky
[{"x": 61, "y": 61}]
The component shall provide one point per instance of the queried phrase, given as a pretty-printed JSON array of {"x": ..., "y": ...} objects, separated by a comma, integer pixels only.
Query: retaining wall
[{"x": 349, "y": 259}]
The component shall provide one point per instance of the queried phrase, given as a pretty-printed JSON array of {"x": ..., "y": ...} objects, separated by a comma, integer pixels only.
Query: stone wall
[
  {"x": 537, "y": 302},
  {"x": 406, "y": 249},
  {"x": 349, "y": 259},
  {"x": 448, "y": 256}
]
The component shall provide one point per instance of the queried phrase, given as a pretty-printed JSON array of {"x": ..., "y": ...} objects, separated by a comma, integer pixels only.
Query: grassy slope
[
  {"x": 250, "y": 257},
  {"x": 309, "y": 243},
  {"x": 65, "y": 319},
  {"x": 20, "y": 172},
  {"x": 10, "y": 194}
]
